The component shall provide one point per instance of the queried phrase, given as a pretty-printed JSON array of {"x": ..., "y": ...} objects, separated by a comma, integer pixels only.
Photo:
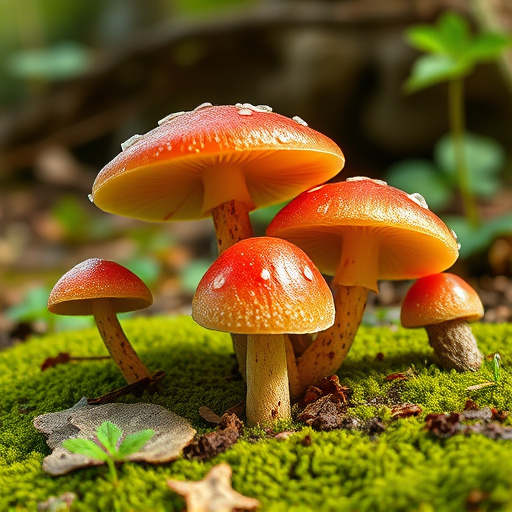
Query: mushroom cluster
[{"x": 268, "y": 292}]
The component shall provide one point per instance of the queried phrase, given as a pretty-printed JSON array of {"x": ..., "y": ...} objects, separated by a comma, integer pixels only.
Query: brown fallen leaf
[
  {"x": 214, "y": 493},
  {"x": 405, "y": 410},
  {"x": 323, "y": 414},
  {"x": 443, "y": 425},
  {"x": 218, "y": 441},
  {"x": 172, "y": 432}
]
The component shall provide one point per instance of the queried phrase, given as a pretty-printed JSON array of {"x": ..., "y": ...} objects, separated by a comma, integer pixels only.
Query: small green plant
[
  {"x": 462, "y": 161},
  {"x": 109, "y": 447},
  {"x": 494, "y": 361}
]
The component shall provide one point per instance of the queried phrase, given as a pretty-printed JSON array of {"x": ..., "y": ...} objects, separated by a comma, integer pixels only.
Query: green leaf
[
  {"x": 85, "y": 447},
  {"x": 192, "y": 273},
  {"x": 496, "y": 369},
  {"x": 485, "y": 159},
  {"x": 421, "y": 176},
  {"x": 425, "y": 38},
  {"x": 108, "y": 435},
  {"x": 429, "y": 70},
  {"x": 488, "y": 46},
  {"x": 454, "y": 30},
  {"x": 134, "y": 442}
]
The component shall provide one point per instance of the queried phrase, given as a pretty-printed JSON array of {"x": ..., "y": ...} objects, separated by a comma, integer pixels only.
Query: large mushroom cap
[
  {"x": 440, "y": 298},
  {"x": 75, "y": 291},
  {"x": 196, "y": 160},
  {"x": 263, "y": 286},
  {"x": 408, "y": 240}
]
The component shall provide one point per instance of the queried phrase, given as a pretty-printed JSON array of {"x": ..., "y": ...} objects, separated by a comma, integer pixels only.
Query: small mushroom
[
  {"x": 220, "y": 161},
  {"x": 104, "y": 288},
  {"x": 264, "y": 287},
  {"x": 444, "y": 304},
  {"x": 359, "y": 231}
]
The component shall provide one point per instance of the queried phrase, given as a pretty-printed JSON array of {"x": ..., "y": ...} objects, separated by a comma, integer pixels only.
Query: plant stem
[
  {"x": 113, "y": 471},
  {"x": 458, "y": 129}
]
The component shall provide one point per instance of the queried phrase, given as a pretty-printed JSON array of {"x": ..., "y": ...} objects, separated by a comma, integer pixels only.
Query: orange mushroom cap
[
  {"x": 263, "y": 286},
  {"x": 195, "y": 161},
  {"x": 362, "y": 230},
  {"x": 439, "y": 298},
  {"x": 75, "y": 291}
]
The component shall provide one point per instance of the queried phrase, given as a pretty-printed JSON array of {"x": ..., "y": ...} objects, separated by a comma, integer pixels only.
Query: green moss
[{"x": 401, "y": 469}]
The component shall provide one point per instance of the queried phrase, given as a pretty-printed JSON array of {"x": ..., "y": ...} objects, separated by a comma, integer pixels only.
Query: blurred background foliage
[{"x": 79, "y": 77}]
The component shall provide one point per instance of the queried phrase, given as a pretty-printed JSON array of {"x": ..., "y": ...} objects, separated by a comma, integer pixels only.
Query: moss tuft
[{"x": 402, "y": 469}]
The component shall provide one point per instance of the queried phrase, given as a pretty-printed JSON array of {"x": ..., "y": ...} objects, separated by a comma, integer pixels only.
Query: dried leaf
[
  {"x": 214, "y": 493},
  {"x": 208, "y": 415},
  {"x": 323, "y": 414},
  {"x": 218, "y": 441},
  {"x": 50, "y": 362},
  {"x": 444, "y": 425},
  {"x": 405, "y": 410},
  {"x": 172, "y": 432}
]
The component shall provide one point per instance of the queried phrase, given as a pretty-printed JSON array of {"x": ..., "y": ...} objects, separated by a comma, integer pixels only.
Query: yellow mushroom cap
[{"x": 197, "y": 160}]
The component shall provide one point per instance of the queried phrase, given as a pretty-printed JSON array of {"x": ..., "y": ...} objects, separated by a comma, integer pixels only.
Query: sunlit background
[{"x": 77, "y": 78}]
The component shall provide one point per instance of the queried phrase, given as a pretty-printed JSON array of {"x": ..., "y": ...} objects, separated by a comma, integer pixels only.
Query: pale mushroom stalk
[
  {"x": 330, "y": 348},
  {"x": 123, "y": 354},
  {"x": 455, "y": 345},
  {"x": 268, "y": 396}
]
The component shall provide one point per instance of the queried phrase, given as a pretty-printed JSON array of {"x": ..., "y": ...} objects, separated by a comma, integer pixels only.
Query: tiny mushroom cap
[
  {"x": 195, "y": 161},
  {"x": 440, "y": 298},
  {"x": 263, "y": 286},
  {"x": 76, "y": 291},
  {"x": 362, "y": 230},
  {"x": 103, "y": 288}
]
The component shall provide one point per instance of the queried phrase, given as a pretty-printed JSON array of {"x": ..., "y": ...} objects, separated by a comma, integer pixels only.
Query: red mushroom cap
[
  {"x": 75, "y": 291},
  {"x": 362, "y": 230},
  {"x": 263, "y": 286},
  {"x": 195, "y": 161},
  {"x": 439, "y": 298}
]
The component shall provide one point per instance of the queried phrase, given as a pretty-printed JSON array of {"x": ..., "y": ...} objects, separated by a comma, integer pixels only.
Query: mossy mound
[{"x": 403, "y": 468}]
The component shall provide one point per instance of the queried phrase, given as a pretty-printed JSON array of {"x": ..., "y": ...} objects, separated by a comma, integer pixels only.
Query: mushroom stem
[
  {"x": 232, "y": 224},
  {"x": 454, "y": 345},
  {"x": 132, "y": 368},
  {"x": 325, "y": 355},
  {"x": 268, "y": 396}
]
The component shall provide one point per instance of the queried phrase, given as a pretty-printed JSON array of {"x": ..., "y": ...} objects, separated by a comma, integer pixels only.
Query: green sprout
[
  {"x": 109, "y": 447},
  {"x": 494, "y": 360}
]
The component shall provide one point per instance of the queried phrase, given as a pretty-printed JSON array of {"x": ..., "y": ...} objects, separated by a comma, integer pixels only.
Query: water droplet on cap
[
  {"x": 265, "y": 274},
  {"x": 90, "y": 198},
  {"x": 308, "y": 274},
  {"x": 131, "y": 141},
  {"x": 206, "y": 104},
  {"x": 418, "y": 199},
  {"x": 168, "y": 118},
  {"x": 245, "y": 112},
  {"x": 299, "y": 120},
  {"x": 218, "y": 282}
]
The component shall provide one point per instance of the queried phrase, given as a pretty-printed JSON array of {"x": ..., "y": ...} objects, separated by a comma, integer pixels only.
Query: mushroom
[
  {"x": 221, "y": 161},
  {"x": 444, "y": 304},
  {"x": 264, "y": 287},
  {"x": 104, "y": 288},
  {"x": 359, "y": 231}
]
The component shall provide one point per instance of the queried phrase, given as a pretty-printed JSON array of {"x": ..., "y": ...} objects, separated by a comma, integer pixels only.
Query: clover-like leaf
[
  {"x": 108, "y": 435},
  {"x": 134, "y": 442},
  {"x": 85, "y": 447}
]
